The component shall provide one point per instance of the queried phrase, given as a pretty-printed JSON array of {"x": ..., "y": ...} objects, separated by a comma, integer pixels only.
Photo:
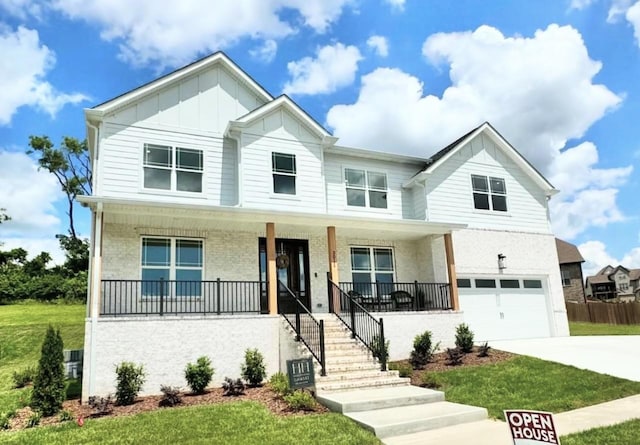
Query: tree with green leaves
[
  {"x": 70, "y": 164},
  {"x": 3, "y": 215},
  {"x": 49, "y": 386}
]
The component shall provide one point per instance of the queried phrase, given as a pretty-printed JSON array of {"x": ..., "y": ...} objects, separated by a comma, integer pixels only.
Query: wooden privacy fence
[{"x": 611, "y": 313}]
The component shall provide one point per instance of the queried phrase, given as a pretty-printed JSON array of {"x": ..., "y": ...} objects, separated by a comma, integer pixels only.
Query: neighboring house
[
  {"x": 570, "y": 262},
  {"x": 213, "y": 202},
  {"x": 614, "y": 282}
]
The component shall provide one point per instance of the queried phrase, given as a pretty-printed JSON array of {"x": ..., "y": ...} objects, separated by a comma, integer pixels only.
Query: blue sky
[{"x": 558, "y": 78}]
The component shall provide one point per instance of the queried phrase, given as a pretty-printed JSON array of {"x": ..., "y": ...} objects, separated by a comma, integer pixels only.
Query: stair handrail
[
  {"x": 362, "y": 324},
  {"x": 310, "y": 333}
]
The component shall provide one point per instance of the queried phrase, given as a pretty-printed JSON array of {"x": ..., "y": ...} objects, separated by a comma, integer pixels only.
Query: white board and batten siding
[
  {"x": 450, "y": 194},
  {"x": 400, "y": 202},
  {"x": 281, "y": 132}
]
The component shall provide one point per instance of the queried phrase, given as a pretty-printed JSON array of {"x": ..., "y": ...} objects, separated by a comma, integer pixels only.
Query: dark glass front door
[{"x": 292, "y": 263}]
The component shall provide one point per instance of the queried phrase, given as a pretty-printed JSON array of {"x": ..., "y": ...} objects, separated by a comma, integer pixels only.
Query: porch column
[
  {"x": 272, "y": 276},
  {"x": 451, "y": 269},
  {"x": 96, "y": 265},
  {"x": 333, "y": 265}
]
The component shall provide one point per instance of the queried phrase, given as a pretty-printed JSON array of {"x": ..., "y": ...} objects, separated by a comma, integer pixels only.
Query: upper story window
[
  {"x": 566, "y": 277},
  {"x": 173, "y": 168},
  {"x": 489, "y": 193},
  {"x": 366, "y": 188},
  {"x": 284, "y": 173}
]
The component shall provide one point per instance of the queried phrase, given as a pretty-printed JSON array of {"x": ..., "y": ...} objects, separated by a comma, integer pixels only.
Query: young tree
[
  {"x": 71, "y": 166},
  {"x": 48, "y": 386},
  {"x": 3, "y": 215}
]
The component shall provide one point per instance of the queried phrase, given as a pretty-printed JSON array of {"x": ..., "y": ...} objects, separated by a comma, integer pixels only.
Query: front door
[{"x": 292, "y": 263}]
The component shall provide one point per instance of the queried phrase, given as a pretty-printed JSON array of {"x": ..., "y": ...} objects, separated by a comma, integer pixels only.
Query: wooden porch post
[
  {"x": 333, "y": 264},
  {"x": 96, "y": 265},
  {"x": 272, "y": 276},
  {"x": 451, "y": 269}
]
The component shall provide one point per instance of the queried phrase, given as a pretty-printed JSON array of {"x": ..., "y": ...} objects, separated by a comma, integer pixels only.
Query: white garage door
[{"x": 505, "y": 307}]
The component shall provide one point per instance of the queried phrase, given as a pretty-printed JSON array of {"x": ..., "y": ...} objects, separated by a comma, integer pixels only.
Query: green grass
[
  {"x": 241, "y": 423},
  {"x": 530, "y": 383},
  {"x": 22, "y": 329},
  {"x": 627, "y": 433},
  {"x": 603, "y": 329}
]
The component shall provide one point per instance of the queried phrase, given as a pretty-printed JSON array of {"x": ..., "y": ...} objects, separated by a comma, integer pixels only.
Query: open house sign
[{"x": 532, "y": 427}]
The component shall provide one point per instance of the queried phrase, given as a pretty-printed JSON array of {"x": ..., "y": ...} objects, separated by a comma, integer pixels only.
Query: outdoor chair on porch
[{"x": 402, "y": 300}]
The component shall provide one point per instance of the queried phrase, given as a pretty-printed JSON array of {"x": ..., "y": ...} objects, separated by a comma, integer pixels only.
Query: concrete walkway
[{"x": 492, "y": 432}]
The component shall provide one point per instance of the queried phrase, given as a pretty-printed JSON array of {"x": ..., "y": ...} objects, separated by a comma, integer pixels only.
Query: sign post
[
  {"x": 300, "y": 373},
  {"x": 531, "y": 427}
]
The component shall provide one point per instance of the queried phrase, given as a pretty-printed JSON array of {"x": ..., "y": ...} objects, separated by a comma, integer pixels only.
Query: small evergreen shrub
[
  {"x": 24, "y": 377},
  {"x": 170, "y": 396},
  {"x": 464, "y": 338},
  {"x": 65, "y": 416},
  {"x": 253, "y": 369},
  {"x": 483, "y": 350},
  {"x": 430, "y": 380},
  {"x": 300, "y": 401},
  {"x": 279, "y": 383},
  {"x": 380, "y": 349},
  {"x": 34, "y": 419},
  {"x": 454, "y": 356},
  {"x": 423, "y": 349},
  {"x": 101, "y": 406},
  {"x": 233, "y": 387},
  {"x": 199, "y": 375},
  {"x": 48, "y": 386},
  {"x": 130, "y": 378},
  {"x": 404, "y": 369}
]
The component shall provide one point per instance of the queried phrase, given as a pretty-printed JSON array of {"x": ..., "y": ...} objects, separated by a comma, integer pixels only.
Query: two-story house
[
  {"x": 570, "y": 261},
  {"x": 614, "y": 282},
  {"x": 217, "y": 207}
]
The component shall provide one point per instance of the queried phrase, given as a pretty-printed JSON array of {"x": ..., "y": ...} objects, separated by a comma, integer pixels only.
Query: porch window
[
  {"x": 172, "y": 259},
  {"x": 173, "y": 168},
  {"x": 284, "y": 173},
  {"x": 372, "y": 266},
  {"x": 366, "y": 188},
  {"x": 489, "y": 193}
]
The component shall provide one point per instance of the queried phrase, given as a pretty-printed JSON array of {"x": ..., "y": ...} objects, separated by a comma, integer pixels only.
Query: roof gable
[{"x": 568, "y": 253}]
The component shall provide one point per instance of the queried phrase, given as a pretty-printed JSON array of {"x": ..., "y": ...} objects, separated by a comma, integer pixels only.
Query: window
[
  {"x": 366, "y": 188},
  {"x": 532, "y": 284},
  {"x": 284, "y": 173},
  {"x": 172, "y": 259},
  {"x": 485, "y": 284},
  {"x": 624, "y": 286},
  {"x": 172, "y": 168},
  {"x": 489, "y": 193},
  {"x": 566, "y": 277},
  {"x": 371, "y": 265},
  {"x": 463, "y": 282},
  {"x": 510, "y": 284}
]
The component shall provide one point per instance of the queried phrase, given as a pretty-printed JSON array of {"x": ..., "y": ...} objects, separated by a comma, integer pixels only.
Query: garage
[{"x": 500, "y": 308}]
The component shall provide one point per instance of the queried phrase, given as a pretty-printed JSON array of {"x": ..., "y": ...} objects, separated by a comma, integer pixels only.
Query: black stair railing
[
  {"x": 308, "y": 330},
  {"x": 363, "y": 326}
]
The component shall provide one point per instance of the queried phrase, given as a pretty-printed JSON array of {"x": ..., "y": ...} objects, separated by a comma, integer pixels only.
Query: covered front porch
[{"x": 180, "y": 260}]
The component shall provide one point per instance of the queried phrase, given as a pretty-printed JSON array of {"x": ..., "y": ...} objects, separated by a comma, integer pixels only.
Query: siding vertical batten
[
  {"x": 451, "y": 269},
  {"x": 272, "y": 276}
]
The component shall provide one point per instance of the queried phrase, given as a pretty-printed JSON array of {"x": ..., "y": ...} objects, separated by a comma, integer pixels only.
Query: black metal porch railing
[
  {"x": 363, "y": 326},
  {"x": 308, "y": 330},
  {"x": 386, "y": 297},
  {"x": 172, "y": 297}
]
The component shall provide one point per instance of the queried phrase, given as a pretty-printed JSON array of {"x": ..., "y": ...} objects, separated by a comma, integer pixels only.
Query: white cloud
[
  {"x": 628, "y": 10},
  {"x": 580, "y": 4},
  {"x": 22, "y": 9},
  {"x": 379, "y": 44},
  {"x": 396, "y": 4},
  {"x": 334, "y": 67},
  {"x": 149, "y": 32},
  {"x": 266, "y": 52},
  {"x": 618, "y": 9},
  {"x": 633, "y": 17},
  {"x": 596, "y": 257},
  {"x": 23, "y": 67}
]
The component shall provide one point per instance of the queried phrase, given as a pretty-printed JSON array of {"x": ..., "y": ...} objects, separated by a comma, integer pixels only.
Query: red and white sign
[{"x": 531, "y": 427}]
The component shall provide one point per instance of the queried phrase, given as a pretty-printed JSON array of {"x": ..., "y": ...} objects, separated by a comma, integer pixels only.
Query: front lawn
[
  {"x": 627, "y": 433},
  {"x": 530, "y": 383},
  {"x": 577, "y": 328},
  {"x": 241, "y": 423}
]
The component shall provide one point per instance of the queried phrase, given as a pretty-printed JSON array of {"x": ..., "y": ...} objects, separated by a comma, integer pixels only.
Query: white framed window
[
  {"x": 366, "y": 188},
  {"x": 489, "y": 193},
  {"x": 178, "y": 261},
  {"x": 566, "y": 277},
  {"x": 172, "y": 168},
  {"x": 283, "y": 166},
  {"x": 372, "y": 267}
]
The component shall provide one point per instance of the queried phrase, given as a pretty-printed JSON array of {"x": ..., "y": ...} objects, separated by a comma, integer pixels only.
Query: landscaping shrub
[
  {"x": 199, "y": 375},
  {"x": 464, "y": 338},
  {"x": 380, "y": 350},
  {"x": 423, "y": 349},
  {"x": 34, "y": 419},
  {"x": 454, "y": 356},
  {"x": 404, "y": 369},
  {"x": 170, "y": 396},
  {"x": 65, "y": 416},
  {"x": 101, "y": 406},
  {"x": 130, "y": 378},
  {"x": 233, "y": 387},
  {"x": 483, "y": 350},
  {"x": 48, "y": 386},
  {"x": 5, "y": 418},
  {"x": 430, "y": 380},
  {"x": 253, "y": 369},
  {"x": 24, "y": 377},
  {"x": 279, "y": 383},
  {"x": 300, "y": 401}
]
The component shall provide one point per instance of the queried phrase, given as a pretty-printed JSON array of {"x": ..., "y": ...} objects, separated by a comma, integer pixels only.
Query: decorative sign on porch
[
  {"x": 531, "y": 427},
  {"x": 300, "y": 373}
]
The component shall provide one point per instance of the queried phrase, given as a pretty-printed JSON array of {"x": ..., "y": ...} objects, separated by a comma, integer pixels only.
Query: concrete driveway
[{"x": 615, "y": 355}]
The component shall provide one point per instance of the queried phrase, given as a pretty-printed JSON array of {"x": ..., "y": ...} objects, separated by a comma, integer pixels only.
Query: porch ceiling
[{"x": 207, "y": 217}]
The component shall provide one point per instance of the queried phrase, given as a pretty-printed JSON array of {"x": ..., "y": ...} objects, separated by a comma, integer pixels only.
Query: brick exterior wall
[{"x": 574, "y": 292}]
